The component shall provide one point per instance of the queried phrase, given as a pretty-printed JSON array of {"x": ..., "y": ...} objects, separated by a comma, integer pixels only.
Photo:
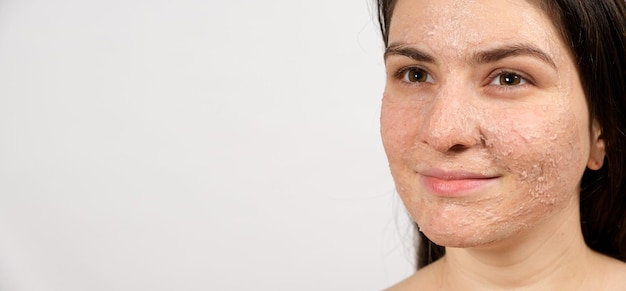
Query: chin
[
  {"x": 459, "y": 242},
  {"x": 469, "y": 236}
]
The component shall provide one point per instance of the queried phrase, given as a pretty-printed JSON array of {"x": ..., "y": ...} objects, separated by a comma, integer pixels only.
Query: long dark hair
[{"x": 595, "y": 32}]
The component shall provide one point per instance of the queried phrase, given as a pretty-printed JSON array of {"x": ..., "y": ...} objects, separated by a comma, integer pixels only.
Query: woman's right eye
[{"x": 415, "y": 75}]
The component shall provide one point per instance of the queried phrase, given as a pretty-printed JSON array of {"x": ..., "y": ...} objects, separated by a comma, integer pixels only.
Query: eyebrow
[
  {"x": 499, "y": 53},
  {"x": 407, "y": 51},
  {"x": 486, "y": 56}
]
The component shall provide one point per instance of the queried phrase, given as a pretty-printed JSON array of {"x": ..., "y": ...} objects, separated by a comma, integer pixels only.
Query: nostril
[{"x": 457, "y": 148}]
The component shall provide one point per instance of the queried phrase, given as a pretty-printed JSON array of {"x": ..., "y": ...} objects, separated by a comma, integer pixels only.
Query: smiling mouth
[{"x": 456, "y": 183}]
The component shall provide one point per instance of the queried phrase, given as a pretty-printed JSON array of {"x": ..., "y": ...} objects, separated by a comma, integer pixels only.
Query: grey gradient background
[{"x": 194, "y": 145}]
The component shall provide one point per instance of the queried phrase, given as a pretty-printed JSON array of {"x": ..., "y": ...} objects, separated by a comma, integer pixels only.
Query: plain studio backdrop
[{"x": 194, "y": 145}]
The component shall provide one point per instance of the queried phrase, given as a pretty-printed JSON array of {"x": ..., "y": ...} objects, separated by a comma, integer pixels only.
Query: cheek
[
  {"x": 544, "y": 152},
  {"x": 399, "y": 126}
]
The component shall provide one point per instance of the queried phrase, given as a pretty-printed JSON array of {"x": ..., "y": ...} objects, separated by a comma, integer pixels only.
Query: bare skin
[
  {"x": 482, "y": 101},
  {"x": 527, "y": 267}
]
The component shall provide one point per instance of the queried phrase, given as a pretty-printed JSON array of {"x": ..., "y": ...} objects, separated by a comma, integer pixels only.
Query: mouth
[{"x": 455, "y": 183}]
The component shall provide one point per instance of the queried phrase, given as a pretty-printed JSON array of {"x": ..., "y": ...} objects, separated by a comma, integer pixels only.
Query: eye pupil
[
  {"x": 508, "y": 79},
  {"x": 416, "y": 75}
]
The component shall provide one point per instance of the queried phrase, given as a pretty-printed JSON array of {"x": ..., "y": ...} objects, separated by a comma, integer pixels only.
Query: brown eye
[
  {"x": 509, "y": 79},
  {"x": 416, "y": 75}
]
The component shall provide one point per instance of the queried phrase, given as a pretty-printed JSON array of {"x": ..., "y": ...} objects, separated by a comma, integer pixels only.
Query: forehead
[{"x": 459, "y": 25}]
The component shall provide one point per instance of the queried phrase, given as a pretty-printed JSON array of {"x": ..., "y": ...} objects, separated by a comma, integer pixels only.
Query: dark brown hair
[{"x": 595, "y": 32}]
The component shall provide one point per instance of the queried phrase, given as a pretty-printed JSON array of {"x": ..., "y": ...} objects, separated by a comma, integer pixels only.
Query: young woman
[{"x": 504, "y": 125}]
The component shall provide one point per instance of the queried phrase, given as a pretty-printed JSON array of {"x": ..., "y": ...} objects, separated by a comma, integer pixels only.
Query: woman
[{"x": 504, "y": 125}]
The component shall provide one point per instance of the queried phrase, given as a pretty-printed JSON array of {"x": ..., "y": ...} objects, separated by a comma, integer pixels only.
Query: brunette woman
[{"x": 504, "y": 125}]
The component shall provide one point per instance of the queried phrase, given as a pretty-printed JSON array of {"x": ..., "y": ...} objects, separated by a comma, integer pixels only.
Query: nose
[{"x": 451, "y": 123}]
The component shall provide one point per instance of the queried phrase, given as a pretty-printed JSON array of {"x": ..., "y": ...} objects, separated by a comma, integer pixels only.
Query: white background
[{"x": 194, "y": 145}]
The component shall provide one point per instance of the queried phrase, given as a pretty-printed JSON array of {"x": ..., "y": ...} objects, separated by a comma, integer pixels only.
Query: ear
[{"x": 596, "y": 153}]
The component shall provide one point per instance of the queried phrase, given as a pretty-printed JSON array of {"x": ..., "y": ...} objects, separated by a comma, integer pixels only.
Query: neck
[{"x": 544, "y": 258}]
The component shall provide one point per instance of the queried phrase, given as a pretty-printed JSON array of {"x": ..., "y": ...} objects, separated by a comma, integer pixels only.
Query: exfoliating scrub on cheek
[{"x": 486, "y": 132}]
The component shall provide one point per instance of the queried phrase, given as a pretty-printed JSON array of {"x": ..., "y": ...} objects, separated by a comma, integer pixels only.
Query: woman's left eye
[{"x": 508, "y": 79}]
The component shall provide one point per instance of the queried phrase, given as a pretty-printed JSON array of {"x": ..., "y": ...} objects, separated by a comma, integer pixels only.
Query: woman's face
[{"x": 484, "y": 120}]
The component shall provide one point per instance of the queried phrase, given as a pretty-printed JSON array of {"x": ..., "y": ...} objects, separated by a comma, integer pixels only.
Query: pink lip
[{"x": 454, "y": 183}]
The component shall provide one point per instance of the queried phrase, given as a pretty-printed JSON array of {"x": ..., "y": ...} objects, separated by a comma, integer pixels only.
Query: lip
[{"x": 455, "y": 183}]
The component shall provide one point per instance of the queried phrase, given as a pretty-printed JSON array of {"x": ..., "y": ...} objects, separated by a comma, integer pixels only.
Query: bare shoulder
[{"x": 424, "y": 279}]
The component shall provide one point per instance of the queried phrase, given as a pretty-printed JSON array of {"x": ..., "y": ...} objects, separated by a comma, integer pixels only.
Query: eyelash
[
  {"x": 496, "y": 75},
  {"x": 402, "y": 75}
]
